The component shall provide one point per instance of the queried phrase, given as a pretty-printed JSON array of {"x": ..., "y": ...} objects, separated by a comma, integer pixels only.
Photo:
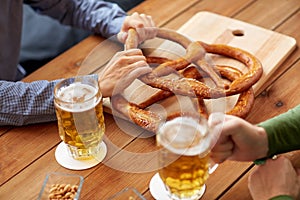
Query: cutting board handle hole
[{"x": 238, "y": 33}]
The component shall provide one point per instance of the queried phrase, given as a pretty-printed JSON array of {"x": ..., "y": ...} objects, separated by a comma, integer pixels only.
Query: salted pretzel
[{"x": 192, "y": 67}]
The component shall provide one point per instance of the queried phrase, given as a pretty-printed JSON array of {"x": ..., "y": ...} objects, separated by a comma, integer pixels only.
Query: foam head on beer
[
  {"x": 184, "y": 135},
  {"x": 80, "y": 95}
]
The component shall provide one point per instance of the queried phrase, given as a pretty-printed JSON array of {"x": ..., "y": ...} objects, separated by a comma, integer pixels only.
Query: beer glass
[
  {"x": 184, "y": 157},
  {"x": 79, "y": 111}
]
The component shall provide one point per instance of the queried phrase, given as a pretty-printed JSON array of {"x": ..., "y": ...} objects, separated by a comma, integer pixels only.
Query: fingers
[
  {"x": 132, "y": 52},
  {"x": 220, "y": 157},
  {"x": 120, "y": 60},
  {"x": 138, "y": 21},
  {"x": 222, "y": 150},
  {"x": 217, "y": 127},
  {"x": 147, "y": 30},
  {"x": 138, "y": 70},
  {"x": 142, "y": 21},
  {"x": 122, "y": 70},
  {"x": 128, "y": 63},
  {"x": 220, "y": 126},
  {"x": 225, "y": 146},
  {"x": 124, "y": 58},
  {"x": 143, "y": 24},
  {"x": 134, "y": 70}
]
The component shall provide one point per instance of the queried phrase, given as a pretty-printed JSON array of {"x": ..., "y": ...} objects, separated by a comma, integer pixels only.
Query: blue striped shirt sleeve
[{"x": 26, "y": 103}]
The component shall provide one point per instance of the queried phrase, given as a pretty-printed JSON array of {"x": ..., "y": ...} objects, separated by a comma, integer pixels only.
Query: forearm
[
  {"x": 283, "y": 132},
  {"x": 26, "y": 103},
  {"x": 98, "y": 16}
]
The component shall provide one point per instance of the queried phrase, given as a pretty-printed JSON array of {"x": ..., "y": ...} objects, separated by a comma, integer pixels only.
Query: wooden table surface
[{"x": 27, "y": 153}]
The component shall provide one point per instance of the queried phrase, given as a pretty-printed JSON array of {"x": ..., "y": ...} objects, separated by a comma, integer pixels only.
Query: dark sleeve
[
  {"x": 283, "y": 132},
  {"x": 100, "y": 17}
]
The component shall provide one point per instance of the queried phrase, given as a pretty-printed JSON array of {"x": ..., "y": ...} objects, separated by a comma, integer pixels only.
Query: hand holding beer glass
[
  {"x": 184, "y": 157},
  {"x": 79, "y": 111}
]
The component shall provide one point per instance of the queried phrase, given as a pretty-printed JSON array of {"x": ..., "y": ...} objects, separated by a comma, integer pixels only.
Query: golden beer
[
  {"x": 80, "y": 117},
  {"x": 184, "y": 158}
]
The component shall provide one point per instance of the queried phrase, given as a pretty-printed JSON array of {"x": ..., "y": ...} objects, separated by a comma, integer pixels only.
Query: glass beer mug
[
  {"x": 78, "y": 104},
  {"x": 184, "y": 157}
]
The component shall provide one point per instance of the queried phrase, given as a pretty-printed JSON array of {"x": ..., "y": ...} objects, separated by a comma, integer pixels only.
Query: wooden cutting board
[{"x": 270, "y": 47}]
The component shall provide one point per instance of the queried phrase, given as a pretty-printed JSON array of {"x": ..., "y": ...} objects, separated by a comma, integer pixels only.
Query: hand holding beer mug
[
  {"x": 79, "y": 111},
  {"x": 184, "y": 157}
]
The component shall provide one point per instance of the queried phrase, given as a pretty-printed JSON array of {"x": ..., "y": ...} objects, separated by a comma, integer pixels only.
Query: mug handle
[{"x": 212, "y": 166}]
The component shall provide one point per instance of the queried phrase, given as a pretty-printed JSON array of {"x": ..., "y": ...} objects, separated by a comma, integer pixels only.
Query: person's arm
[
  {"x": 239, "y": 138},
  {"x": 26, "y": 103},
  {"x": 97, "y": 16},
  {"x": 283, "y": 132}
]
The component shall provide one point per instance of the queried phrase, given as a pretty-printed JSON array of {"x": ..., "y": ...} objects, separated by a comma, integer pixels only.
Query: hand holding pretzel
[
  {"x": 190, "y": 84},
  {"x": 144, "y": 28}
]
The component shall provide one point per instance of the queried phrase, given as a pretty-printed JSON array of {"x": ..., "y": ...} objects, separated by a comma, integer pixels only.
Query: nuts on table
[{"x": 62, "y": 191}]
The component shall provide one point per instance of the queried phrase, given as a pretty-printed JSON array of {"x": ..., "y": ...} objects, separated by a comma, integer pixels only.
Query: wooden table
[{"x": 27, "y": 153}]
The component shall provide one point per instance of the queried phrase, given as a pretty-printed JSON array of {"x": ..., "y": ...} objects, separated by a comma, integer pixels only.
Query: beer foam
[
  {"x": 184, "y": 135},
  {"x": 78, "y": 97}
]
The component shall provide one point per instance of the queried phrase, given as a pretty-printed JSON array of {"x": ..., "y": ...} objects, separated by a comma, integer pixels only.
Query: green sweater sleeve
[
  {"x": 283, "y": 132},
  {"x": 282, "y": 197}
]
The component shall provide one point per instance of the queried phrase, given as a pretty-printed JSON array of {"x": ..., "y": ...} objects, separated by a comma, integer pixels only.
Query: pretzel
[
  {"x": 192, "y": 67},
  {"x": 150, "y": 120}
]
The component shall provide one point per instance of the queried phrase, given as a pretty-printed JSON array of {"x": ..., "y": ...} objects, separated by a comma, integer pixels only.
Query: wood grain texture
[
  {"x": 4, "y": 129},
  {"x": 289, "y": 28},
  {"x": 26, "y": 170},
  {"x": 215, "y": 6},
  {"x": 24, "y": 145},
  {"x": 277, "y": 12},
  {"x": 163, "y": 11}
]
